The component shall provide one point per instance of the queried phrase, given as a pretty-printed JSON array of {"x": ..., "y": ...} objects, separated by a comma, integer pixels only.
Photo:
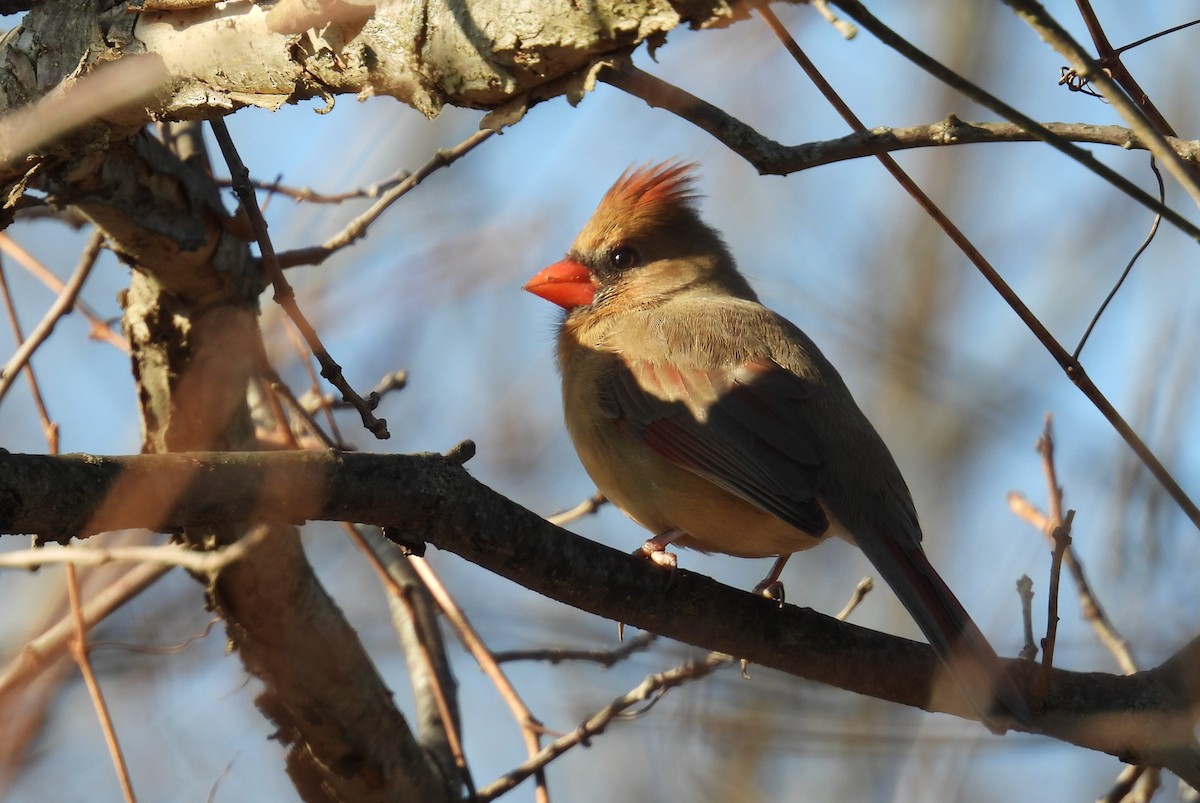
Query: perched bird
[{"x": 717, "y": 424}]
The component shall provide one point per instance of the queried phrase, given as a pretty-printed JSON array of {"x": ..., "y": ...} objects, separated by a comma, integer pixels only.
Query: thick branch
[{"x": 1146, "y": 718}]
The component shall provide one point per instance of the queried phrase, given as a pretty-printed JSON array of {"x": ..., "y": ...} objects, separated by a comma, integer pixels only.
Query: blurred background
[{"x": 956, "y": 385}]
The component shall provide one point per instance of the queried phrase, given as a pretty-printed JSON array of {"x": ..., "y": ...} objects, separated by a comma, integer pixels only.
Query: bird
[{"x": 717, "y": 424}]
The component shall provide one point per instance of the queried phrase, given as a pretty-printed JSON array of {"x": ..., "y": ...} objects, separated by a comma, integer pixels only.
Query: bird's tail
[{"x": 951, "y": 632}]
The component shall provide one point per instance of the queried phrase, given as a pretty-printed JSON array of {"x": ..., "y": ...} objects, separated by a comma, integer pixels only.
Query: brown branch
[
  {"x": 531, "y": 727},
  {"x": 430, "y": 673},
  {"x": 1109, "y": 58},
  {"x": 284, "y": 295},
  {"x": 1146, "y": 718},
  {"x": 39, "y": 653},
  {"x": 558, "y": 655},
  {"x": 61, "y": 306},
  {"x": 856, "y": 11},
  {"x": 588, "y": 507},
  {"x": 357, "y": 228},
  {"x": 100, "y": 329},
  {"x": 79, "y": 651},
  {"x": 1034, "y": 15},
  {"x": 649, "y": 691},
  {"x": 773, "y": 158}
]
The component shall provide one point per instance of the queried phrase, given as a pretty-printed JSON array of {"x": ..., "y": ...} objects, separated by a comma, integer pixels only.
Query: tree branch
[{"x": 1145, "y": 718}]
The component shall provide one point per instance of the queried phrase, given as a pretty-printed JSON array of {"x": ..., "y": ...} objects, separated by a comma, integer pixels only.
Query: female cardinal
[{"x": 717, "y": 424}]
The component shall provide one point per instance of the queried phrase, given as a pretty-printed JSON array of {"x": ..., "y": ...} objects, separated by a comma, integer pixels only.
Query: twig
[
  {"x": 390, "y": 383},
  {"x": 62, "y": 305},
  {"x": 865, "y": 586},
  {"x": 1072, "y": 367},
  {"x": 587, "y": 507},
  {"x": 1128, "y": 267},
  {"x": 314, "y": 387},
  {"x": 648, "y": 691},
  {"x": 284, "y": 295},
  {"x": 856, "y": 11},
  {"x": 772, "y": 158},
  {"x": 206, "y": 563},
  {"x": 357, "y": 228},
  {"x": 846, "y": 29},
  {"x": 1025, "y": 592},
  {"x": 99, "y": 330},
  {"x": 308, "y": 195},
  {"x": 440, "y": 683},
  {"x": 1058, "y": 530},
  {"x": 531, "y": 727},
  {"x": 1034, "y": 15},
  {"x": 79, "y": 651},
  {"x": 1093, "y": 611},
  {"x": 1109, "y": 58},
  {"x": 1061, "y": 536},
  {"x": 605, "y": 658},
  {"x": 49, "y": 428},
  {"x": 40, "y": 652}
]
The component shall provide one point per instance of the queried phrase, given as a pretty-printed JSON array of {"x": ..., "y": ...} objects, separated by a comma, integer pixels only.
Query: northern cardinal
[{"x": 717, "y": 424}]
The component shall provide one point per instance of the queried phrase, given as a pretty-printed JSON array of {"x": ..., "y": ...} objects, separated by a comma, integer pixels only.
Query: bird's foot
[
  {"x": 657, "y": 555},
  {"x": 655, "y": 550},
  {"x": 771, "y": 589}
]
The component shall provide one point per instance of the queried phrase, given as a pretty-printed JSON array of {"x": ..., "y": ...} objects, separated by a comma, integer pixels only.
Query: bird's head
[{"x": 644, "y": 243}]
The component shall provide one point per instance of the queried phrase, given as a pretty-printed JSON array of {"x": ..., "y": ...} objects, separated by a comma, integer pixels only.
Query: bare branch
[
  {"x": 1145, "y": 718},
  {"x": 284, "y": 295},
  {"x": 62, "y": 305},
  {"x": 856, "y": 11},
  {"x": 1085, "y": 67},
  {"x": 648, "y": 691}
]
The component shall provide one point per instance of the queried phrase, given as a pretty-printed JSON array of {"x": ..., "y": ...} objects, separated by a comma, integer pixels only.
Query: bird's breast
[{"x": 662, "y": 496}]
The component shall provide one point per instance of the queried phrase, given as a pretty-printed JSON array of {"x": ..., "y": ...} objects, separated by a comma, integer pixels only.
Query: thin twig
[
  {"x": 531, "y": 727},
  {"x": 99, "y": 328},
  {"x": 1072, "y": 367},
  {"x": 772, "y": 158},
  {"x": 856, "y": 11},
  {"x": 648, "y": 691},
  {"x": 605, "y": 658},
  {"x": 1025, "y": 592},
  {"x": 1059, "y": 532},
  {"x": 1034, "y": 15},
  {"x": 1128, "y": 267},
  {"x": 865, "y": 586},
  {"x": 587, "y": 507},
  {"x": 357, "y": 228},
  {"x": 1109, "y": 58},
  {"x": 441, "y": 694},
  {"x": 391, "y": 382},
  {"x": 79, "y": 651},
  {"x": 49, "y": 427},
  {"x": 62, "y": 305},
  {"x": 314, "y": 387},
  {"x": 284, "y": 295},
  {"x": 206, "y": 563},
  {"x": 308, "y": 195},
  {"x": 1089, "y": 603},
  {"x": 53, "y": 643}
]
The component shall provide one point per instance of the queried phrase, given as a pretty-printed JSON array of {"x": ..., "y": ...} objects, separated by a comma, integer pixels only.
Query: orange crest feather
[{"x": 647, "y": 196}]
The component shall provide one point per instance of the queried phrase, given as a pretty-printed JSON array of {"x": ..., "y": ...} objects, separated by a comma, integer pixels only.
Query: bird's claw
[
  {"x": 656, "y": 554},
  {"x": 772, "y": 590}
]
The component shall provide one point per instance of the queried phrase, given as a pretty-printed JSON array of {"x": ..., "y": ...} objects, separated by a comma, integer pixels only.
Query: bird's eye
[{"x": 624, "y": 257}]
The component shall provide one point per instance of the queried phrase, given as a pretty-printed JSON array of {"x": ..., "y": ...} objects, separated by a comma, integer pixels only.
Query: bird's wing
[{"x": 739, "y": 427}]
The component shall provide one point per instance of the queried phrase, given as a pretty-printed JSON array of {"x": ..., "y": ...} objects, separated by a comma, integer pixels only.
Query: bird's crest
[{"x": 646, "y": 197}]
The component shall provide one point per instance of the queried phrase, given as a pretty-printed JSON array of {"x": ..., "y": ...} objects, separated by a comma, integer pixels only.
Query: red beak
[{"x": 567, "y": 283}]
